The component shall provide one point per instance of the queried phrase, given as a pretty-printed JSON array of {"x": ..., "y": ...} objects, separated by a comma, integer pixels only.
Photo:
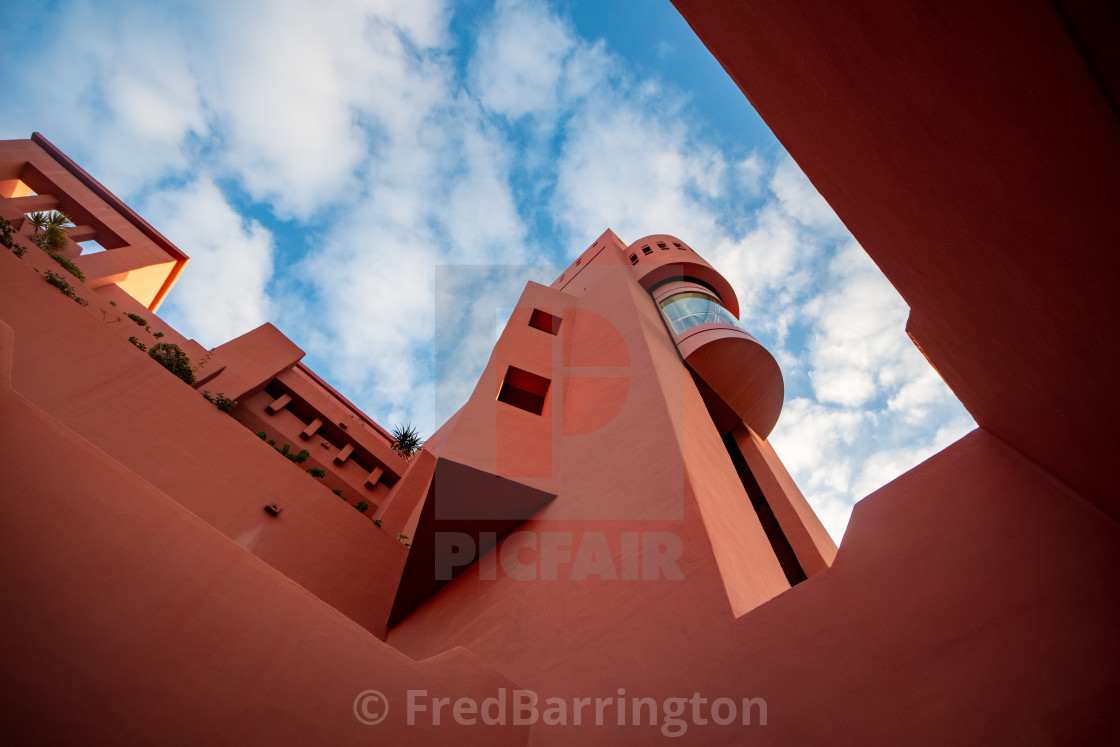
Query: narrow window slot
[{"x": 778, "y": 541}]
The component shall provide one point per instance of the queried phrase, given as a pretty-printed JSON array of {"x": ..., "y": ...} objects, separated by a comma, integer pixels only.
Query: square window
[
  {"x": 542, "y": 320},
  {"x": 647, "y": 250},
  {"x": 524, "y": 390},
  {"x": 633, "y": 259}
]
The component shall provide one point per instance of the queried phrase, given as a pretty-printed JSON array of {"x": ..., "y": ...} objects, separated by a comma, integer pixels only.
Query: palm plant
[
  {"x": 406, "y": 440},
  {"x": 50, "y": 229}
]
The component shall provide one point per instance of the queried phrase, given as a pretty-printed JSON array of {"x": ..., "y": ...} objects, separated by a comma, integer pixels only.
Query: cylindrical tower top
[
  {"x": 661, "y": 257},
  {"x": 701, "y": 311}
]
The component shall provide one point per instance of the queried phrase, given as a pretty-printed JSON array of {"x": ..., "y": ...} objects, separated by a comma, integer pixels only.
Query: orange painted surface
[
  {"x": 969, "y": 602},
  {"x": 149, "y": 421},
  {"x": 129, "y": 618}
]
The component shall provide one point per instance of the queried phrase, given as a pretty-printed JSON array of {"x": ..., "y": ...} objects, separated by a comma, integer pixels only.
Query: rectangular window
[
  {"x": 542, "y": 320},
  {"x": 524, "y": 390},
  {"x": 90, "y": 247},
  {"x": 633, "y": 259}
]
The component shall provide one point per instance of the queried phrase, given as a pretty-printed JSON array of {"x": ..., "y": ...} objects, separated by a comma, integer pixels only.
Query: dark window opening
[
  {"x": 781, "y": 546},
  {"x": 661, "y": 245},
  {"x": 633, "y": 259},
  {"x": 647, "y": 250},
  {"x": 524, "y": 390},
  {"x": 677, "y": 245},
  {"x": 542, "y": 320}
]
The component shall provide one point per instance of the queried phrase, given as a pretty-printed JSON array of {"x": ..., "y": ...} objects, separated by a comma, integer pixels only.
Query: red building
[{"x": 603, "y": 526}]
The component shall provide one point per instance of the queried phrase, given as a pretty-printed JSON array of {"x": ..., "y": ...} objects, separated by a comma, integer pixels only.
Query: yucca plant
[
  {"x": 406, "y": 440},
  {"x": 50, "y": 229}
]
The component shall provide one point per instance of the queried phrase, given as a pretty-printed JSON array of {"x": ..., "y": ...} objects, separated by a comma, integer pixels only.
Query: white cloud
[
  {"x": 623, "y": 168},
  {"x": 121, "y": 109},
  {"x": 222, "y": 293},
  {"x": 291, "y": 88},
  {"x": 800, "y": 199},
  {"x": 519, "y": 65}
]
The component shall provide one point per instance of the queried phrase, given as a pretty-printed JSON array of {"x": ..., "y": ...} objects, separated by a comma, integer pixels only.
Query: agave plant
[
  {"x": 406, "y": 440},
  {"x": 50, "y": 229}
]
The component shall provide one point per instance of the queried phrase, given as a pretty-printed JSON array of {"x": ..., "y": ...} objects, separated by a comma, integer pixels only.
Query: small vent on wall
[
  {"x": 524, "y": 390},
  {"x": 542, "y": 320}
]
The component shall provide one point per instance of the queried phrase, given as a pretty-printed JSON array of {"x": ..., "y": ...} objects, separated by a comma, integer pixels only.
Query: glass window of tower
[{"x": 691, "y": 308}]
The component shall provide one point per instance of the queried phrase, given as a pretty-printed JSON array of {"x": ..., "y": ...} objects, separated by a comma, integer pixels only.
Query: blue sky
[{"x": 330, "y": 167}]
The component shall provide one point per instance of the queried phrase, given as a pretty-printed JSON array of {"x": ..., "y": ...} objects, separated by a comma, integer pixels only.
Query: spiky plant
[
  {"x": 406, "y": 440},
  {"x": 50, "y": 229}
]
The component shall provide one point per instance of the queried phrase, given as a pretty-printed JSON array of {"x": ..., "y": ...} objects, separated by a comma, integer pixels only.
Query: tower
[{"x": 609, "y": 473}]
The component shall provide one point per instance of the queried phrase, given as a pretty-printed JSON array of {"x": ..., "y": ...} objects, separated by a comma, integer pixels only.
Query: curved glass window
[{"x": 691, "y": 309}]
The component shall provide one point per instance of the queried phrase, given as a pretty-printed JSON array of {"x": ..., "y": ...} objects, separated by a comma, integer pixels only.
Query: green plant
[
  {"x": 171, "y": 356},
  {"x": 7, "y": 240},
  {"x": 204, "y": 361},
  {"x": 262, "y": 435},
  {"x": 271, "y": 442},
  {"x": 362, "y": 506},
  {"x": 377, "y": 522},
  {"x": 67, "y": 265},
  {"x": 223, "y": 403},
  {"x": 112, "y": 303},
  {"x": 137, "y": 343},
  {"x": 64, "y": 287},
  {"x": 138, "y": 319},
  {"x": 50, "y": 230},
  {"x": 299, "y": 458},
  {"x": 157, "y": 335},
  {"x": 317, "y": 472},
  {"x": 406, "y": 440},
  {"x": 338, "y": 492}
]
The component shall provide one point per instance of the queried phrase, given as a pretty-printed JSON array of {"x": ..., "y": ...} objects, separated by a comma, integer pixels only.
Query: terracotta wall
[{"x": 77, "y": 369}]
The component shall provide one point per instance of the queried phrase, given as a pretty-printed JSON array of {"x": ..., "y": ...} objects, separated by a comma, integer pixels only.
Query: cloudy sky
[{"x": 343, "y": 169}]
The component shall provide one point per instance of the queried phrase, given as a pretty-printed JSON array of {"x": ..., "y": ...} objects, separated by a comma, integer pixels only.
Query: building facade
[
  {"x": 584, "y": 529},
  {"x": 610, "y": 471}
]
